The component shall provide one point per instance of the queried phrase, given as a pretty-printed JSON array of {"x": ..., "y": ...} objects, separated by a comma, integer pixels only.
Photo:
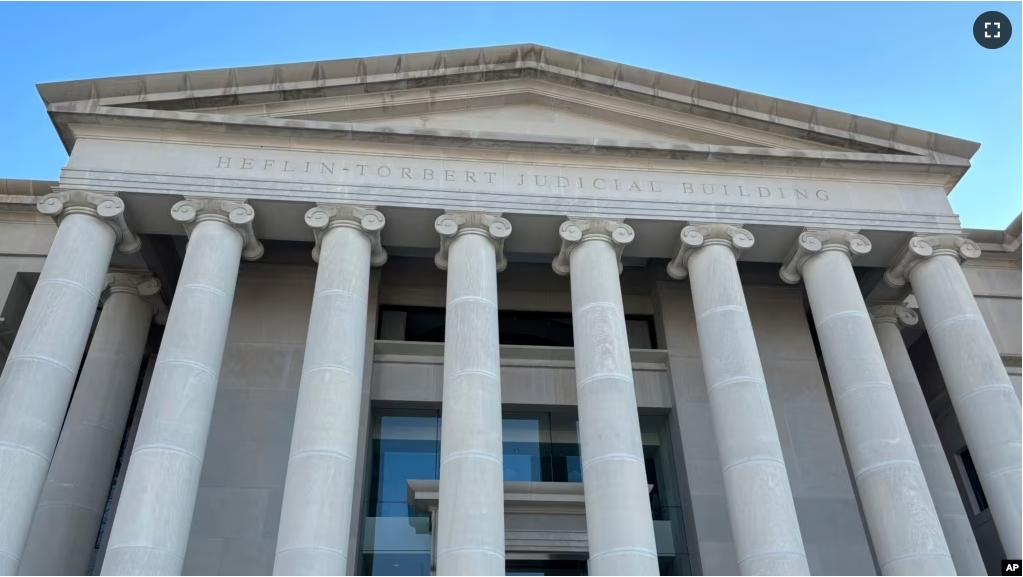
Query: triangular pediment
[
  {"x": 513, "y": 97},
  {"x": 522, "y": 108},
  {"x": 532, "y": 119}
]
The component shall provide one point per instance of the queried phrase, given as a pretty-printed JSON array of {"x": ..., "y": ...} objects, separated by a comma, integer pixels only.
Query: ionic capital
[
  {"x": 699, "y": 235},
  {"x": 817, "y": 241},
  {"x": 574, "y": 232},
  {"x": 899, "y": 315},
  {"x": 106, "y": 207},
  {"x": 451, "y": 225},
  {"x": 365, "y": 219},
  {"x": 139, "y": 283},
  {"x": 920, "y": 248},
  {"x": 235, "y": 213}
]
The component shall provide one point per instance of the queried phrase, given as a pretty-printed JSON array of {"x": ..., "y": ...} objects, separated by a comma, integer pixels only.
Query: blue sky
[{"x": 915, "y": 63}]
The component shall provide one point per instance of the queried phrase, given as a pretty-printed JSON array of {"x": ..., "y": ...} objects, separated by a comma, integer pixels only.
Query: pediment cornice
[{"x": 185, "y": 91}]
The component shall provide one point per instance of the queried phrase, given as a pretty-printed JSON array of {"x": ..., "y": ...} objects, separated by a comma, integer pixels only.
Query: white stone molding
[
  {"x": 698, "y": 235},
  {"x": 899, "y": 315},
  {"x": 141, "y": 283},
  {"x": 365, "y": 219},
  {"x": 575, "y": 231},
  {"x": 814, "y": 241},
  {"x": 923, "y": 247},
  {"x": 236, "y": 213},
  {"x": 488, "y": 224},
  {"x": 106, "y": 207}
]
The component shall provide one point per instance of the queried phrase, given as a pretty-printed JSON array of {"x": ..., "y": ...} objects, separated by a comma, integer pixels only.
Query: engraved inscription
[{"x": 511, "y": 178}]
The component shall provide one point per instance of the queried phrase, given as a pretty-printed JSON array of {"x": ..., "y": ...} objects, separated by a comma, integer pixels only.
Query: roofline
[{"x": 312, "y": 79}]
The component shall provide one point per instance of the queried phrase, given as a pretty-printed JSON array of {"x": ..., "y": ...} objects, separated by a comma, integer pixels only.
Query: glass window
[
  {"x": 527, "y": 442},
  {"x": 536, "y": 447},
  {"x": 396, "y": 564},
  {"x": 395, "y": 538}
]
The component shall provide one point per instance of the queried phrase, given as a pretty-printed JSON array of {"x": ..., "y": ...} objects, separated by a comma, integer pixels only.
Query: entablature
[{"x": 282, "y": 178}]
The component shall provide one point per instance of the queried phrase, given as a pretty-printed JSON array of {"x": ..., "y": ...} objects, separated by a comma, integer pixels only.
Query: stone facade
[{"x": 509, "y": 309}]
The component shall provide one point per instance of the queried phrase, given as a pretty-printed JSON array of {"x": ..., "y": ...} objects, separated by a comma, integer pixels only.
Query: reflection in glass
[
  {"x": 396, "y": 539},
  {"x": 537, "y": 447},
  {"x": 527, "y": 439}
]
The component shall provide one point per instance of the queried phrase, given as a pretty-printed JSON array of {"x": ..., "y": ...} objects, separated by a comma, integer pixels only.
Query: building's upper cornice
[{"x": 184, "y": 91}]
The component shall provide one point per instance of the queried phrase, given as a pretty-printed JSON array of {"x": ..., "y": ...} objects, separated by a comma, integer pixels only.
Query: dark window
[
  {"x": 974, "y": 479},
  {"x": 530, "y": 328},
  {"x": 546, "y": 567}
]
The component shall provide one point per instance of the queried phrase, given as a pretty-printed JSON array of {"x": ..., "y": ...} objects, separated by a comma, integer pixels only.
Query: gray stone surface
[
  {"x": 978, "y": 384},
  {"x": 900, "y": 515},
  {"x": 619, "y": 526},
  {"x": 74, "y": 497},
  {"x": 247, "y": 452},
  {"x": 40, "y": 371},
  {"x": 470, "y": 534},
  {"x": 321, "y": 465},
  {"x": 757, "y": 491},
  {"x": 833, "y": 533},
  {"x": 150, "y": 535}
]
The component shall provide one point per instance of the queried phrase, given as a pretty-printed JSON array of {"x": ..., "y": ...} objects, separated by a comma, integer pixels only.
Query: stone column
[
  {"x": 901, "y": 519},
  {"x": 71, "y": 506},
  {"x": 760, "y": 505},
  {"x": 618, "y": 522},
  {"x": 978, "y": 385},
  {"x": 154, "y": 514},
  {"x": 314, "y": 528},
  {"x": 470, "y": 531},
  {"x": 962, "y": 544},
  {"x": 40, "y": 372}
]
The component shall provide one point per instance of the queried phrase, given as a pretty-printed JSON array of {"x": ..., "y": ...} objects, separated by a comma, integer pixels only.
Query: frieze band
[{"x": 352, "y": 172}]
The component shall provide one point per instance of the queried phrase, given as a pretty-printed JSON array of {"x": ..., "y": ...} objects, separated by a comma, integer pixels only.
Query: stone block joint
[
  {"x": 235, "y": 213},
  {"x": 451, "y": 225},
  {"x": 365, "y": 219},
  {"x": 576, "y": 231},
  {"x": 106, "y": 207}
]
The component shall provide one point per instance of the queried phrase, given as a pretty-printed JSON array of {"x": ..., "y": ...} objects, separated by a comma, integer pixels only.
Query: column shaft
[
  {"x": 982, "y": 395},
  {"x": 470, "y": 538},
  {"x": 903, "y": 525},
  {"x": 317, "y": 505},
  {"x": 40, "y": 372},
  {"x": 74, "y": 496},
  {"x": 618, "y": 521},
  {"x": 760, "y": 505},
  {"x": 150, "y": 531},
  {"x": 962, "y": 543}
]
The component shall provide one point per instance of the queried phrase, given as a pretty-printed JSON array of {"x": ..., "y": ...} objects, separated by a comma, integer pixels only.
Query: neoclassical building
[{"x": 494, "y": 311}]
